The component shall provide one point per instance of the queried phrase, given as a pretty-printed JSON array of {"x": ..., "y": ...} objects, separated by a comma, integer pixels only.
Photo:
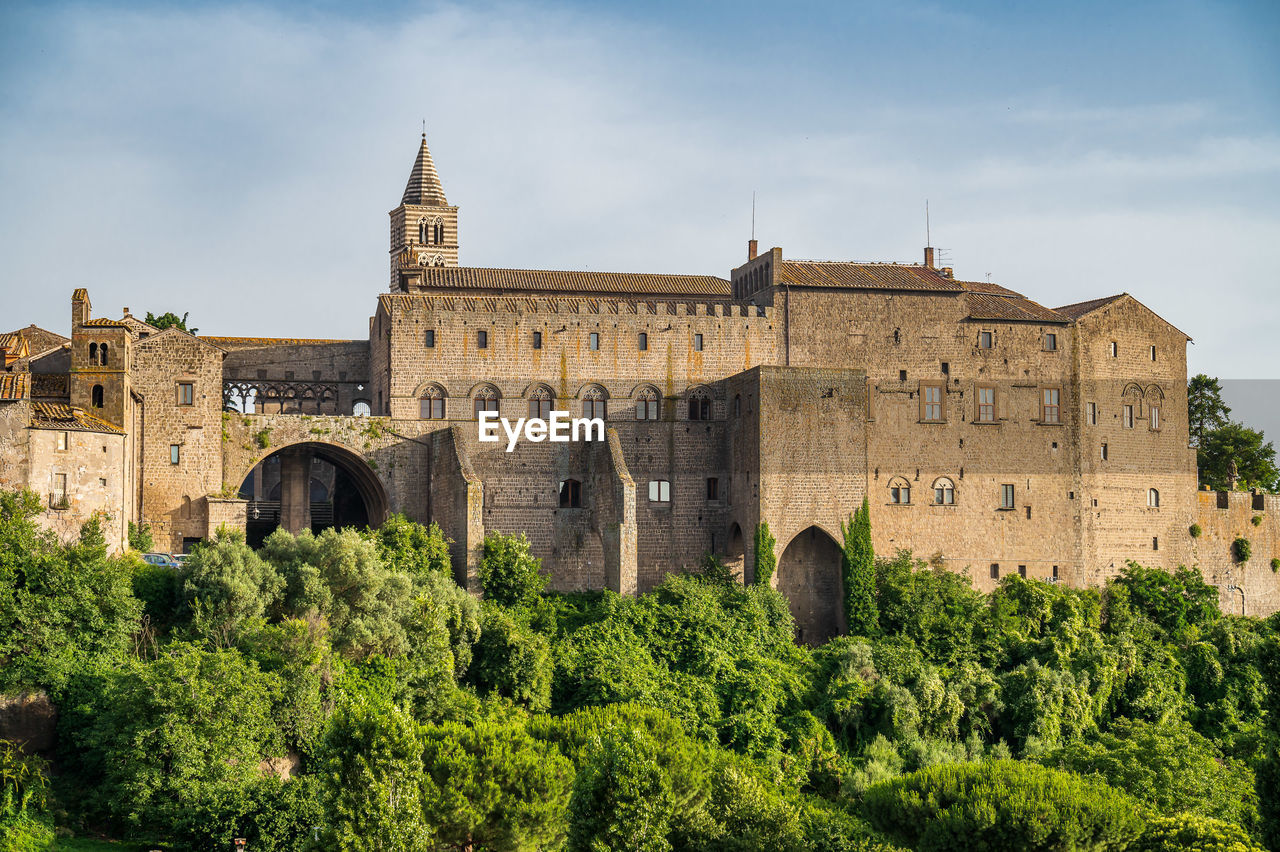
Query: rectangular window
[
  {"x": 570, "y": 494},
  {"x": 175, "y": 451},
  {"x": 537, "y": 340},
  {"x": 900, "y": 494},
  {"x": 697, "y": 343},
  {"x": 186, "y": 393},
  {"x": 540, "y": 408},
  {"x": 1155, "y": 542},
  {"x": 1115, "y": 349},
  {"x": 431, "y": 408},
  {"x": 1022, "y": 571},
  {"x": 1127, "y": 417},
  {"x": 995, "y": 570},
  {"x": 986, "y": 339},
  {"x": 986, "y": 405},
  {"x": 1050, "y": 411},
  {"x": 1104, "y": 452},
  {"x": 431, "y": 338},
  {"x": 1050, "y": 342},
  {"x": 713, "y": 488},
  {"x": 931, "y": 403},
  {"x": 646, "y": 409},
  {"x": 1153, "y": 353},
  {"x": 642, "y": 341},
  {"x": 594, "y": 408},
  {"x": 1055, "y": 573},
  {"x": 63, "y": 438},
  {"x": 1006, "y": 496},
  {"x": 659, "y": 491},
  {"x": 594, "y": 341},
  {"x": 482, "y": 404},
  {"x": 482, "y": 340},
  {"x": 1155, "y": 418},
  {"x": 1028, "y": 513},
  {"x": 1093, "y": 414}
]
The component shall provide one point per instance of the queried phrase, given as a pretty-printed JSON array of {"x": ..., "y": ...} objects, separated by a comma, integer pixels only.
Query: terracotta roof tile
[
  {"x": 14, "y": 385},
  {"x": 517, "y": 281},
  {"x": 865, "y": 276},
  {"x": 1079, "y": 309},
  {"x": 79, "y": 294},
  {"x": 1015, "y": 308},
  {"x": 104, "y": 322},
  {"x": 46, "y": 385},
  {"x": 261, "y": 342},
  {"x": 51, "y": 415}
]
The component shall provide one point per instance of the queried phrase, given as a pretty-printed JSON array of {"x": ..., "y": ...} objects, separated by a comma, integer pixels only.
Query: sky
[{"x": 238, "y": 161}]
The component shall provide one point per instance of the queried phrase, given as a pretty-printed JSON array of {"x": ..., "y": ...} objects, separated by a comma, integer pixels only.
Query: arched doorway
[
  {"x": 734, "y": 554},
  {"x": 809, "y": 575},
  {"x": 311, "y": 486}
]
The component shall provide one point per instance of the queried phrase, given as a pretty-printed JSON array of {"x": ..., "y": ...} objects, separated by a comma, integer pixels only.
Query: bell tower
[{"x": 424, "y": 228}]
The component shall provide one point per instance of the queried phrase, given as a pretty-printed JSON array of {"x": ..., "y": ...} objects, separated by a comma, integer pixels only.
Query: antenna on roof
[
  {"x": 753, "y": 214},
  {"x": 928, "y": 237}
]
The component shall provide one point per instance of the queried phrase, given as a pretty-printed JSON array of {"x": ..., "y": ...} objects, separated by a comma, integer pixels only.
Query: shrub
[
  {"x": 513, "y": 661},
  {"x": 1188, "y": 832},
  {"x": 140, "y": 537},
  {"x": 1241, "y": 549},
  {"x": 1275, "y": 563},
  {"x": 858, "y": 568},
  {"x": 766, "y": 559},
  {"x": 1001, "y": 804},
  {"x": 1256, "y": 520},
  {"x": 509, "y": 573},
  {"x": 1196, "y": 531}
]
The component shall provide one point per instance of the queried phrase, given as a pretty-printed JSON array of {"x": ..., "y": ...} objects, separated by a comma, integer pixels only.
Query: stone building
[{"x": 991, "y": 434}]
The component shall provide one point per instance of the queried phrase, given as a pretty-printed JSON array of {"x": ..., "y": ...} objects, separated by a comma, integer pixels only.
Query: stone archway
[
  {"x": 311, "y": 485},
  {"x": 735, "y": 553},
  {"x": 808, "y": 575}
]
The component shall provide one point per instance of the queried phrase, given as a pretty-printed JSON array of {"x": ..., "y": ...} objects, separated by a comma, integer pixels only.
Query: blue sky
[{"x": 238, "y": 161}]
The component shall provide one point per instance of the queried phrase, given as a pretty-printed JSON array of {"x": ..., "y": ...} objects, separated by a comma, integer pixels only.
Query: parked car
[{"x": 162, "y": 559}]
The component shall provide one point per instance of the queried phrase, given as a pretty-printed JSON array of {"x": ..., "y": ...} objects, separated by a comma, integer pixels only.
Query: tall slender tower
[{"x": 424, "y": 228}]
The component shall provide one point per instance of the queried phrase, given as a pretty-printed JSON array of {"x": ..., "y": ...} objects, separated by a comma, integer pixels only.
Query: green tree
[
  {"x": 766, "y": 558},
  {"x": 622, "y": 797},
  {"x": 492, "y": 786},
  {"x": 858, "y": 564},
  {"x": 1205, "y": 409},
  {"x": 225, "y": 583},
  {"x": 509, "y": 573},
  {"x": 140, "y": 537},
  {"x": 513, "y": 661},
  {"x": 411, "y": 548},
  {"x": 1001, "y": 804},
  {"x": 1248, "y": 450},
  {"x": 1192, "y": 833},
  {"x": 170, "y": 320}
]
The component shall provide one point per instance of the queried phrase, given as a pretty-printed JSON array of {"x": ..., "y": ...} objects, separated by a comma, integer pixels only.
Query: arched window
[
  {"x": 486, "y": 399},
  {"x": 648, "y": 404},
  {"x": 1153, "y": 498},
  {"x": 899, "y": 491},
  {"x": 541, "y": 402},
  {"x": 438, "y": 232},
  {"x": 737, "y": 405},
  {"x": 93, "y": 353},
  {"x": 595, "y": 402},
  {"x": 97, "y": 396},
  {"x": 570, "y": 494},
  {"x": 699, "y": 404},
  {"x": 944, "y": 492},
  {"x": 431, "y": 403},
  {"x": 102, "y": 354},
  {"x": 424, "y": 232},
  {"x": 361, "y": 408}
]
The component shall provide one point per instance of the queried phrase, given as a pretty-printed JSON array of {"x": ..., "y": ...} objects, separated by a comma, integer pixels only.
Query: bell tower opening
[{"x": 424, "y": 228}]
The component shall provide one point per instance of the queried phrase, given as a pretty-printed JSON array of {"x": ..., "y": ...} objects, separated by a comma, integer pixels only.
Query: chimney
[
  {"x": 752, "y": 247},
  {"x": 80, "y": 307},
  {"x": 928, "y": 256},
  {"x": 947, "y": 272}
]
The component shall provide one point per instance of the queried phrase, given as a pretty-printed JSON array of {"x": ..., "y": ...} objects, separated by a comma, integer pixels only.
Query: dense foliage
[{"x": 340, "y": 692}]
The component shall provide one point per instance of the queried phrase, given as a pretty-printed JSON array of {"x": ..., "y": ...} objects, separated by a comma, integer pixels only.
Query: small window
[
  {"x": 944, "y": 493},
  {"x": 1092, "y": 412},
  {"x": 93, "y": 353},
  {"x": 595, "y": 407},
  {"x": 1127, "y": 417},
  {"x": 175, "y": 453},
  {"x": 931, "y": 403},
  {"x": 1050, "y": 411},
  {"x": 537, "y": 340},
  {"x": 985, "y": 339},
  {"x": 1153, "y": 498},
  {"x": 1115, "y": 349},
  {"x": 995, "y": 570},
  {"x": 97, "y": 396},
  {"x": 59, "y": 496},
  {"x": 643, "y": 341},
  {"x": 570, "y": 494},
  {"x": 1028, "y": 513},
  {"x": 713, "y": 488},
  {"x": 1050, "y": 342},
  {"x": 1155, "y": 542},
  {"x": 102, "y": 355},
  {"x": 737, "y": 405},
  {"x": 986, "y": 405},
  {"x": 1155, "y": 418},
  {"x": 1055, "y": 573},
  {"x": 186, "y": 393},
  {"x": 659, "y": 491},
  {"x": 1006, "y": 496},
  {"x": 1104, "y": 452},
  {"x": 647, "y": 406},
  {"x": 1153, "y": 353},
  {"x": 902, "y": 375},
  {"x": 431, "y": 338},
  {"x": 63, "y": 438},
  {"x": 594, "y": 341},
  {"x": 1022, "y": 571},
  {"x": 482, "y": 339},
  {"x": 361, "y": 408},
  {"x": 899, "y": 492},
  {"x": 697, "y": 343}
]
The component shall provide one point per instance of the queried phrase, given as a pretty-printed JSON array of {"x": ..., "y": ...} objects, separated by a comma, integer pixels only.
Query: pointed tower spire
[{"x": 424, "y": 188}]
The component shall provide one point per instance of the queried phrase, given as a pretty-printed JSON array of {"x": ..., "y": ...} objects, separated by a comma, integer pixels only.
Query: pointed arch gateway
[{"x": 808, "y": 574}]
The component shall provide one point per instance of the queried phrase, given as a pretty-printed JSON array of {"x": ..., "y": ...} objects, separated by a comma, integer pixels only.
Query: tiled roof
[
  {"x": 14, "y": 345},
  {"x": 50, "y": 415},
  {"x": 79, "y": 294},
  {"x": 40, "y": 340},
  {"x": 1079, "y": 309},
  {"x": 1015, "y": 308},
  {"x": 14, "y": 385},
  {"x": 424, "y": 187},
  {"x": 45, "y": 385},
  {"x": 103, "y": 322},
  {"x": 262, "y": 342},
  {"x": 865, "y": 276},
  {"x": 575, "y": 282},
  {"x": 989, "y": 288}
]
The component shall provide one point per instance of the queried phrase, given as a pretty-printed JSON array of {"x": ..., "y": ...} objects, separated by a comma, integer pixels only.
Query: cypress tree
[{"x": 766, "y": 559}]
